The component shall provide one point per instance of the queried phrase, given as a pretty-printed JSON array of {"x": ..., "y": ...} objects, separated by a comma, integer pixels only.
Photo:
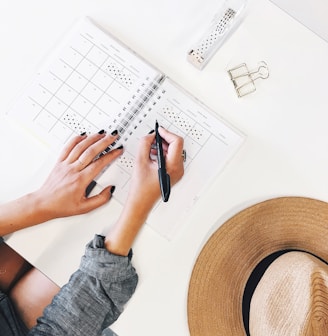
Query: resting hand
[{"x": 63, "y": 193}]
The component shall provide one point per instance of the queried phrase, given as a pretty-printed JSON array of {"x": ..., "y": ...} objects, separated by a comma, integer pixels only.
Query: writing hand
[{"x": 145, "y": 184}]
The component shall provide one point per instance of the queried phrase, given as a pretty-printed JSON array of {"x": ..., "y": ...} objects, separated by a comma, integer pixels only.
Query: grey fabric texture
[{"x": 93, "y": 298}]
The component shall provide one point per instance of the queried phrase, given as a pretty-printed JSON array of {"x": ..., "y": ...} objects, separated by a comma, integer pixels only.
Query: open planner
[{"x": 92, "y": 81}]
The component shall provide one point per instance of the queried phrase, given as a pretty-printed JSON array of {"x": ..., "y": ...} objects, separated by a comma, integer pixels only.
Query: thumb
[{"x": 96, "y": 201}]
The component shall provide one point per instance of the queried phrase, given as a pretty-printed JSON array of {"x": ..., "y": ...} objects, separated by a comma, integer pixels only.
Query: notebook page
[
  {"x": 89, "y": 83},
  {"x": 209, "y": 141}
]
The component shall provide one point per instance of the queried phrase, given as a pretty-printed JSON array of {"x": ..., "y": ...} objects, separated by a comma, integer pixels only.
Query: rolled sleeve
[{"x": 94, "y": 297}]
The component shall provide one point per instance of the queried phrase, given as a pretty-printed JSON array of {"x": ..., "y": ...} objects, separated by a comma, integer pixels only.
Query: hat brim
[{"x": 228, "y": 258}]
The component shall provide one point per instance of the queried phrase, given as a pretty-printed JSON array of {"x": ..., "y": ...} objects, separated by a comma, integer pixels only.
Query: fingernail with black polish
[
  {"x": 120, "y": 147},
  {"x": 101, "y": 132},
  {"x": 112, "y": 189},
  {"x": 114, "y": 132},
  {"x": 83, "y": 134}
]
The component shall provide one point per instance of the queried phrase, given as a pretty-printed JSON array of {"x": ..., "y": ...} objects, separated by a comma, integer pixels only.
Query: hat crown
[{"x": 291, "y": 298}]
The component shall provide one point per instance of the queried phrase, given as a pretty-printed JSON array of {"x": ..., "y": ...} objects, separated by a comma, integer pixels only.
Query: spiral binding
[{"x": 132, "y": 111}]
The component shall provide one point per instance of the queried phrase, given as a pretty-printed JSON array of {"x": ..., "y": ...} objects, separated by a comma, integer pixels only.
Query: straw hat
[{"x": 247, "y": 281}]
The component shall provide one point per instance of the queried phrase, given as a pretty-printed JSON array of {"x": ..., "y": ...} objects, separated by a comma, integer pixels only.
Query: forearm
[
  {"x": 120, "y": 238},
  {"x": 21, "y": 213}
]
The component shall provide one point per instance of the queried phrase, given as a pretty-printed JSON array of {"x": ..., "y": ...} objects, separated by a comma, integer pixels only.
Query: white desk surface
[
  {"x": 286, "y": 152},
  {"x": 311, "y": 13}
]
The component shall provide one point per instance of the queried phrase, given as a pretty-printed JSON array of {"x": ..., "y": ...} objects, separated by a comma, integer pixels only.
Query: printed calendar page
[{"x": 88, "y": 85}]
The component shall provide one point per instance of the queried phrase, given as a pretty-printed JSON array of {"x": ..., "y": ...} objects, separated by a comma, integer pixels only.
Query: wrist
[
  {"x": 21, "y": 213},
  {"x": 143, "y": 201},
  {"x": 42, "y": 210},
  {"x": 121, "y": 236}
]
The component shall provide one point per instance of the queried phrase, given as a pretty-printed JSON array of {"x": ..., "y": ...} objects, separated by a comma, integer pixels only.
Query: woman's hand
[
  {"x": 144, "y": 189},
  {"x": 145, "y": 186},
  {"x": 63, "y": 193}
]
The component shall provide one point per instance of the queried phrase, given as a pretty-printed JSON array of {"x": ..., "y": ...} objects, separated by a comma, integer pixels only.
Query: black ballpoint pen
[{"x": 164, "y": 178}]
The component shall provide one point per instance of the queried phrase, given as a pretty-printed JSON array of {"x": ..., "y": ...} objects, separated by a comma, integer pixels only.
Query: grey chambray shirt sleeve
[{"x": 93, "y": 298}]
